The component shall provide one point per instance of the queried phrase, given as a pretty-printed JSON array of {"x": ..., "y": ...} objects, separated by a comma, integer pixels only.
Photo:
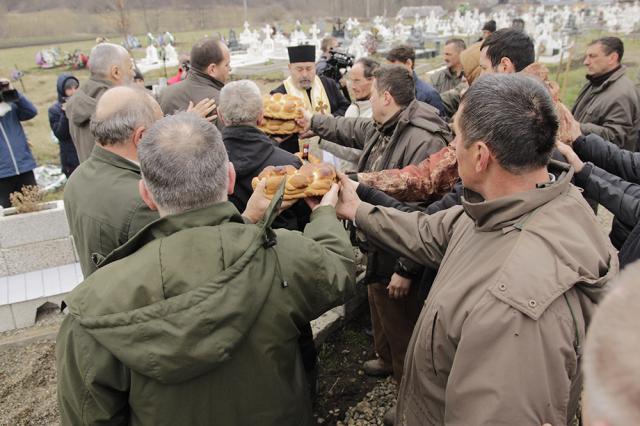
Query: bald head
[
  {"x": 108, "y": 61},
  {"x": 611, "y": 361},
  {"x": 120, "y": 112}
]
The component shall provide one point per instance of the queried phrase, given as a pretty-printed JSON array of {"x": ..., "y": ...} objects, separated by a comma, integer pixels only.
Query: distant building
[{"x": 422, "y": 11}]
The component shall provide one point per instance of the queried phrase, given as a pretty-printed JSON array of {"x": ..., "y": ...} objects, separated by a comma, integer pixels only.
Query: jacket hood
[
  {"x": 83, "y": 104},
  {"x": 588, "y": 270},
  {"x": 62, "y": 79},
  {"x": 176, "y": 339},
  {"x": 423, "y": 116},
  {"x": 247, "y": 147}
]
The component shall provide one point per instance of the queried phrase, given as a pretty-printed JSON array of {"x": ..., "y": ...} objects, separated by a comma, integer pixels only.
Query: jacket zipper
[
  {"x": 433, "y": 329},
  {"x": 13, "y": 158}
]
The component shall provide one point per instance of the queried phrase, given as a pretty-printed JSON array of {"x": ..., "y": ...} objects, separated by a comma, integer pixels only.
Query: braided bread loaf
[
  {"x": 280, "y": 113},
  {"x": 311, "y": 180}
]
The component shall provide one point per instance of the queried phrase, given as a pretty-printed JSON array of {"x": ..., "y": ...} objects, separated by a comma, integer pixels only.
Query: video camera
[
  {"x": 337, "y": 61},
  {"x": 7, "y": 94}
]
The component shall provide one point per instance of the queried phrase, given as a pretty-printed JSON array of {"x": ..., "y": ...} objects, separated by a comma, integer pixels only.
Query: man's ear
[
  {"x": 211, "y": 69},
  {"x": 232, "y": 178},
  {"x": 116, "y": 73},
  {"x": 260, "y": 119},
  {"x": 387, "y": 98},
  {"x": 146, "y": 195},
  {"x": 137, "y": 135},
  {"x": 221, "y": 116},
  {"x": 409, "y": 63},
  {"x": 506, "y": 66},
  {"x": 483, "y": 156}
]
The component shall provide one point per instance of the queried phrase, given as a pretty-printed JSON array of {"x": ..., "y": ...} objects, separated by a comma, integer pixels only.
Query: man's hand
[
  {"x": 348, "y": 201},
  {"x": 571, "y": 156},
  {"x": 569, "y": 123},
  {"x": 306, "y": 135},
  {"x": 398, "y": 286},
  {"x": 204, "y": 108},
  {"x": 304, "y": 121},
  {"x": 329, "y": 199},
  {"x": 258, "y": 204}
]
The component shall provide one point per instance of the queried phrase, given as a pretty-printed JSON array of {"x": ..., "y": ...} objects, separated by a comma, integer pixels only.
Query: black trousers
[{"x": 12, "y": 184}]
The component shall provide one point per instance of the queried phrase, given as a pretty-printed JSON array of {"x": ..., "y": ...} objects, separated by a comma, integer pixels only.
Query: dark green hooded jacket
[{"x": 195, "y": 321}]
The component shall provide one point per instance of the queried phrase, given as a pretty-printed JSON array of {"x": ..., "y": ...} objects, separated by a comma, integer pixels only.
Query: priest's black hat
[{"x": 305, "y": 53}]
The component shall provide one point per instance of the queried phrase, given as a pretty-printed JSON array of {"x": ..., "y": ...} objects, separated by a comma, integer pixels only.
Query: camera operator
[
  {"x": 326, "y": 45},
  {"x": 16, "y": 160},
  {"x": 331, "y": 61}
]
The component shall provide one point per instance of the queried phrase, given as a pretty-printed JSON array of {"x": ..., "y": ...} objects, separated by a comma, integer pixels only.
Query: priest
[{"x": 321, "y": 95}]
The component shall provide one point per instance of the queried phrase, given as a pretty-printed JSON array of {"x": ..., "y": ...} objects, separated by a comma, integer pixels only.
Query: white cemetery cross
[
  {"x": 315, "y": 41},
  {"x": 246, "y": 37},
  {"x": 171, "y": 56},
  {"x": 267, "y": 43},
  {"x": 152, "y": 55}
]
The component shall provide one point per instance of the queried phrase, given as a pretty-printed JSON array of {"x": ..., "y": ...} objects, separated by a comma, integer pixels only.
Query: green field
[{"x": 40, "y": 84}]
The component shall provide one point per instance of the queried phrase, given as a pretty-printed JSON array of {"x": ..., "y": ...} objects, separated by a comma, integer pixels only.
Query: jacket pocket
[{"x": 433, "y": 355}]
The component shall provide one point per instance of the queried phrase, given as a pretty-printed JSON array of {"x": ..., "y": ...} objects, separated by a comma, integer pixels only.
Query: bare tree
[{"x": 122, "y": 16}]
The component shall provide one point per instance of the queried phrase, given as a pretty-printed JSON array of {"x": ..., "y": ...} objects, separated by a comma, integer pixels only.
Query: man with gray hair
[
  {"x": 101, "y": 198},
  {"x": 249, "y": 149},
  {"x": 195, "y": 320},
  {"x": 110, "y": 65}
]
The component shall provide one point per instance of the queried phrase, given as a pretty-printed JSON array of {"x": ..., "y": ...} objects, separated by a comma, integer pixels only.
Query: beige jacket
[
  {"x": 500, "y": 337},
  {"x": 611, "y": 110}
]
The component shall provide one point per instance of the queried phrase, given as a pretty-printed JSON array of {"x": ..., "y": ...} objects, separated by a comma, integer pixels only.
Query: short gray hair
[
  {"x": 184, "y": 163},
  {"x": 105, "y": 55},
  {"x": 118, "y": 127},
  {"x": 240, "y": 103}
]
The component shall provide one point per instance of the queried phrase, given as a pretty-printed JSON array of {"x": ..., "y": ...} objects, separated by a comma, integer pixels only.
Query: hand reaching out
[{"x": 204, "y": 108}]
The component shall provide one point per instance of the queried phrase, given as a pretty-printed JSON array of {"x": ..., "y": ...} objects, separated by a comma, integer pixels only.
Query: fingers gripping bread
[{"x": 310, "y": 180}]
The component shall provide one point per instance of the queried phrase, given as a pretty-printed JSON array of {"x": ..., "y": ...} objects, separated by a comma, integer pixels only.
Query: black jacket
[
  {"x": 611, "y": 177},
  {"x": 60, "y": 128},
  {"x": 250, "y": 151},
  {"x": 337, "y": 101}
]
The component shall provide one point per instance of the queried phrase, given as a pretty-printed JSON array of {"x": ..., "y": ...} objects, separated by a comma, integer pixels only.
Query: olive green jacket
[
  {"x": 103, "y": 206},
  {"x": 195, "y": 321},
  {"x": 611, "y": 110}
]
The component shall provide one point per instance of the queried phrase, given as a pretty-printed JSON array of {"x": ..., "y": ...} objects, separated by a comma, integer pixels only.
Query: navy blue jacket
[
  {"x": 15, "y": 155},
  {"x": 57, "y": 117},
  {"x": 427, "y": 94}
]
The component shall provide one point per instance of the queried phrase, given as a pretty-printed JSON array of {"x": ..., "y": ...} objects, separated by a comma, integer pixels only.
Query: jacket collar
[
  {"x": 390, "y": 125},
  {"x": 102, "y": 155},
  {"x": 212, "y": 215},
  {"x": 615, "y": 76},
  {"x": 95, "y": 86},
  {"x": 203, "y": 78},
  {"x": 510, "y": 210},
  {"x": 452, "y": 75}
]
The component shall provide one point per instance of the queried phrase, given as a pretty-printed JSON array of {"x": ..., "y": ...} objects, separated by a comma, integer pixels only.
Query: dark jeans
[
  {"x": 68, "y": 158},
  {"x": 12, "y": 184}
]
